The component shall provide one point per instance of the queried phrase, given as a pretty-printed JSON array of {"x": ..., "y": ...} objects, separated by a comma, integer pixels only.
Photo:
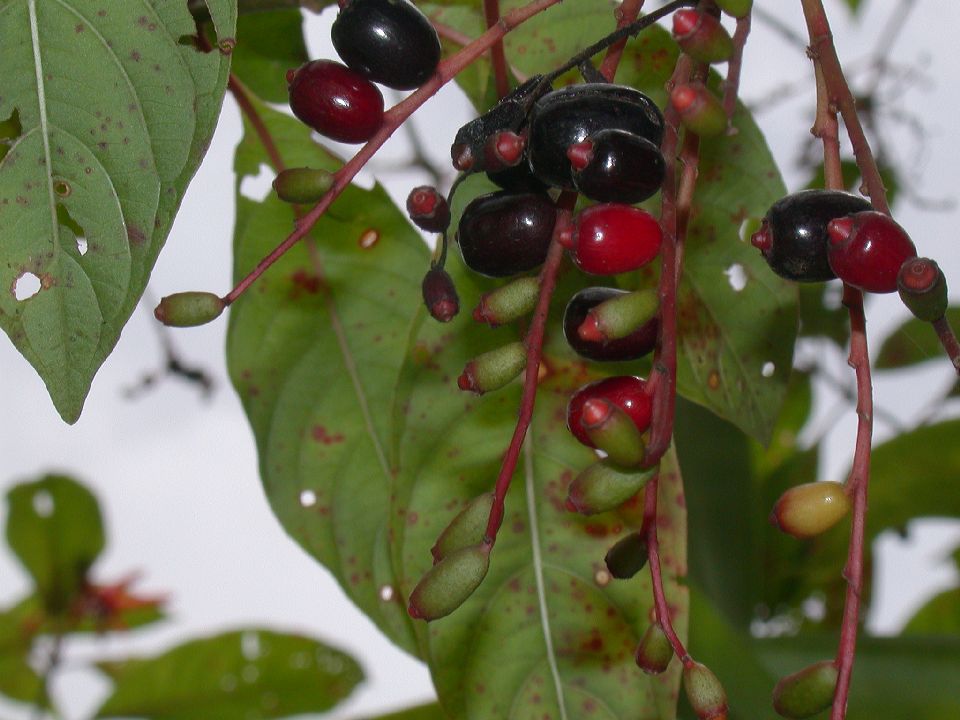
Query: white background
[{"x": 177, "y": 475}]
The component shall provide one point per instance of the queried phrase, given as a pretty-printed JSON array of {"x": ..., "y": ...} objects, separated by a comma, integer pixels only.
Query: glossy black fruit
[
  {"x": 503, "y": 233},
  {"x": 511, "y": 113},
  {"x": 793, "y": 236},
  {"x": 635, "y": 345},
  {"x": 570, "y": 115},
  {"x": 389, "y": 41},
  {"x": 517, "y": 179},
  {"x": 616, "y": 166}
]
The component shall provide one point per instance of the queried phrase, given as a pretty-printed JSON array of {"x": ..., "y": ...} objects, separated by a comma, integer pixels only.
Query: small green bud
[
  {"x": 449, "y": 583},
  {"x": 465, "y": 529},
  {"x": 806, "y": 692},
  {"x": 923, "y": 288},
  {"x": 188, "y": 309},
  {"x": 302, "y": 185},
  {"x": 701, "y": 36},
  {"x": 654, "y": 652},
  {"x": 627, "y": 557},
  {"x": 700, "y": 110},
  {"x": 508, "y": 302},
  {"x": 619, "y": 316},
  {"x": 810, "y": 509},
  {"x": 610, "y": 429},
  {"x": 705, "y": 693},
  {"x": 735, "y": 8},
  {"x": 494, "y": 369},
  {"x": 603, "y": 486}
]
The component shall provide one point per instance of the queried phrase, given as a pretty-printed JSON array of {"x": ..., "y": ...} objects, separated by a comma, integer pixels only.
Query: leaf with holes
[
  {"x": 55, "y": 529},
  {"x": 114, "y": 108},
  {"x": 244, "y": 674},
  {"x": 367, "y": 449}
]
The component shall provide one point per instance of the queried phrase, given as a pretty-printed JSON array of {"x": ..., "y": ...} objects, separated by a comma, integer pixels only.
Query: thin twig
[
  {"x": 626, "y": 13},
  {"x": 491, "y": 13},
  {"x": 731, "y": 86}
]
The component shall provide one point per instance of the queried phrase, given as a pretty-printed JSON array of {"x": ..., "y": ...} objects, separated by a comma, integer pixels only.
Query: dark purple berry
[
  {"x": 335, "y": 101},
  {"x": 616, "y": 166},
  {"x": 505, "y": 233},
  {"x": 440, "y": 295},
  {"x": 793, "y": 236},
  {"x": 570, "y": 115},
  {"x": 635, "y": 345},
  {"x": 428, "y": 209},
  {"x": 389, "y": 41}
]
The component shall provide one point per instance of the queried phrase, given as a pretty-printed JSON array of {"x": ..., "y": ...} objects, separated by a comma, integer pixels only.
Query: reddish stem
[
  {"x": 656, "y": 576},
  {"x": 452, "y": 34},
  {"x": 239, "y": 93},
  {"x": 392, "y": 119},
  {"x": 948, "y": 340},
  {"x": 626, "y": 13},
  {"x": 731, "y": 86},
  {"x": 491, "y": 12},
  {"x": 534, "y": 343}
]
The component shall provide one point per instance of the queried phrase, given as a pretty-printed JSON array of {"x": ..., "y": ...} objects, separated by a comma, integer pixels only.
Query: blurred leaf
[
  {"x": 821, "y": 318},
  {"x": 17, "y": 679},
  {"x": 55, "y": 529},
  {"x": 101, "y": 145},
  {"x": 244, "y": 674},
  {"x": 851, "y": 173},
  {"x": 854, "y": 5},
  {"x": 431, "y": 711},
  {"x": 915, "y": 341},
  {"x": 269, "y": 44},
  {"x": 940, "y": 616},
  {"x": 892, "y": 678}
]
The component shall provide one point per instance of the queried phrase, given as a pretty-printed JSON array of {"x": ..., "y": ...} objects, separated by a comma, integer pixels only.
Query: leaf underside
[{"x": 116, "y": 111}]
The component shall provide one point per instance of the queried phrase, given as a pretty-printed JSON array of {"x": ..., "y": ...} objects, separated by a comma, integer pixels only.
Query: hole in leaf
[
  {"x": 65, "y": 219},
  {"x": 257, "y": 187},
  {"x": 250, "y": 645},
  {"x": 308, "y": 498},
  {"x": 26, "y": 286},
  {"x": 386, "y": 593},
  {"x": 43, "y": 504},
  {"x": 768, "y": 369},
  {"x": 82, "y": 245},
  {"x": 736, "y": 276}
]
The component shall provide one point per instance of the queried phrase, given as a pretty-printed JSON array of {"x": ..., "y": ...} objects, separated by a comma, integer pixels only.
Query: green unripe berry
[
  {"x": 509, "y": 302},
  {"x": 923, "y": 288},
  {"x": 604, "y": 486},
  {"x": 188, "y": 309},
  {"x": 807, "y": 510},
  {"x": 610, "y": 429},
  {"x": 465, "y": 529},
  {"x": 302, "y": 185},
  {"x": 700, "y": 110},
  {"x": 701, "y": 36},
  {"x": 449, "y": 583},
  {"x": 619, "y": 316},
  {"x": 627, "y": 557},
  {"x": 654, "y": 652},
  {"x": 494, "y": 369},
  {"x": 735, "y": 8},
  {"x": 705, "y": 693},
  {"x": 806, "y": 692}
]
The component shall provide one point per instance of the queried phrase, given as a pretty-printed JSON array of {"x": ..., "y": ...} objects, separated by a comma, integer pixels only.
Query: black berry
[
  {"x": 793, "y": 236},
  {"x": 635, "y": 345},
  {"x": 616, "y": 166},
  {"x": 502, "y": 233},
  {"x": 570, "y": 115},
  {"x": 389, "y": 41},
  {"x": 335, "y": 101}
]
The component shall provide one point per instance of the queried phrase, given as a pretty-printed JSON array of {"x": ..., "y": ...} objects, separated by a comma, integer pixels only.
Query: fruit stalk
[
  {"x": 491, "y": 12},
  {"x": 731, "y": 86},
  {"x": 626, "y": 13},
  {"x": 393, "y": 119}
]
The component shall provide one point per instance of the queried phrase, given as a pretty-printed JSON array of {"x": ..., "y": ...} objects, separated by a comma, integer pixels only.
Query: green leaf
[
  {"x": 940, "y": 616},
  {"x": 854, "y": 5},
  {"x": 269, "y": 44},
  {"x": 367, "y": 450},
  {"x": 244, "y": 674},
  {"x": 116, "y": 114},
  {"x": 914, "y": 342},
  {"x": 55, "y": 529},
  {"x": 912, "y": 678},
  {"x": 17, "y": 631}
]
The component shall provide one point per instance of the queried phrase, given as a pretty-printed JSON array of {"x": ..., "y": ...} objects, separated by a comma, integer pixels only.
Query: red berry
[
  {"x": 624, "y": 391},
  {"x": 428, "y": 209},
  {"x": 611, "y": 238},
  {"x": 867, "y": 250},
  {"x": 336, "y": 101}
]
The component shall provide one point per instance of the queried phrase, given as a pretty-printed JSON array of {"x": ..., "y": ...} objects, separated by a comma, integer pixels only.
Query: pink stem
[{"x": 491, "y": 12}]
